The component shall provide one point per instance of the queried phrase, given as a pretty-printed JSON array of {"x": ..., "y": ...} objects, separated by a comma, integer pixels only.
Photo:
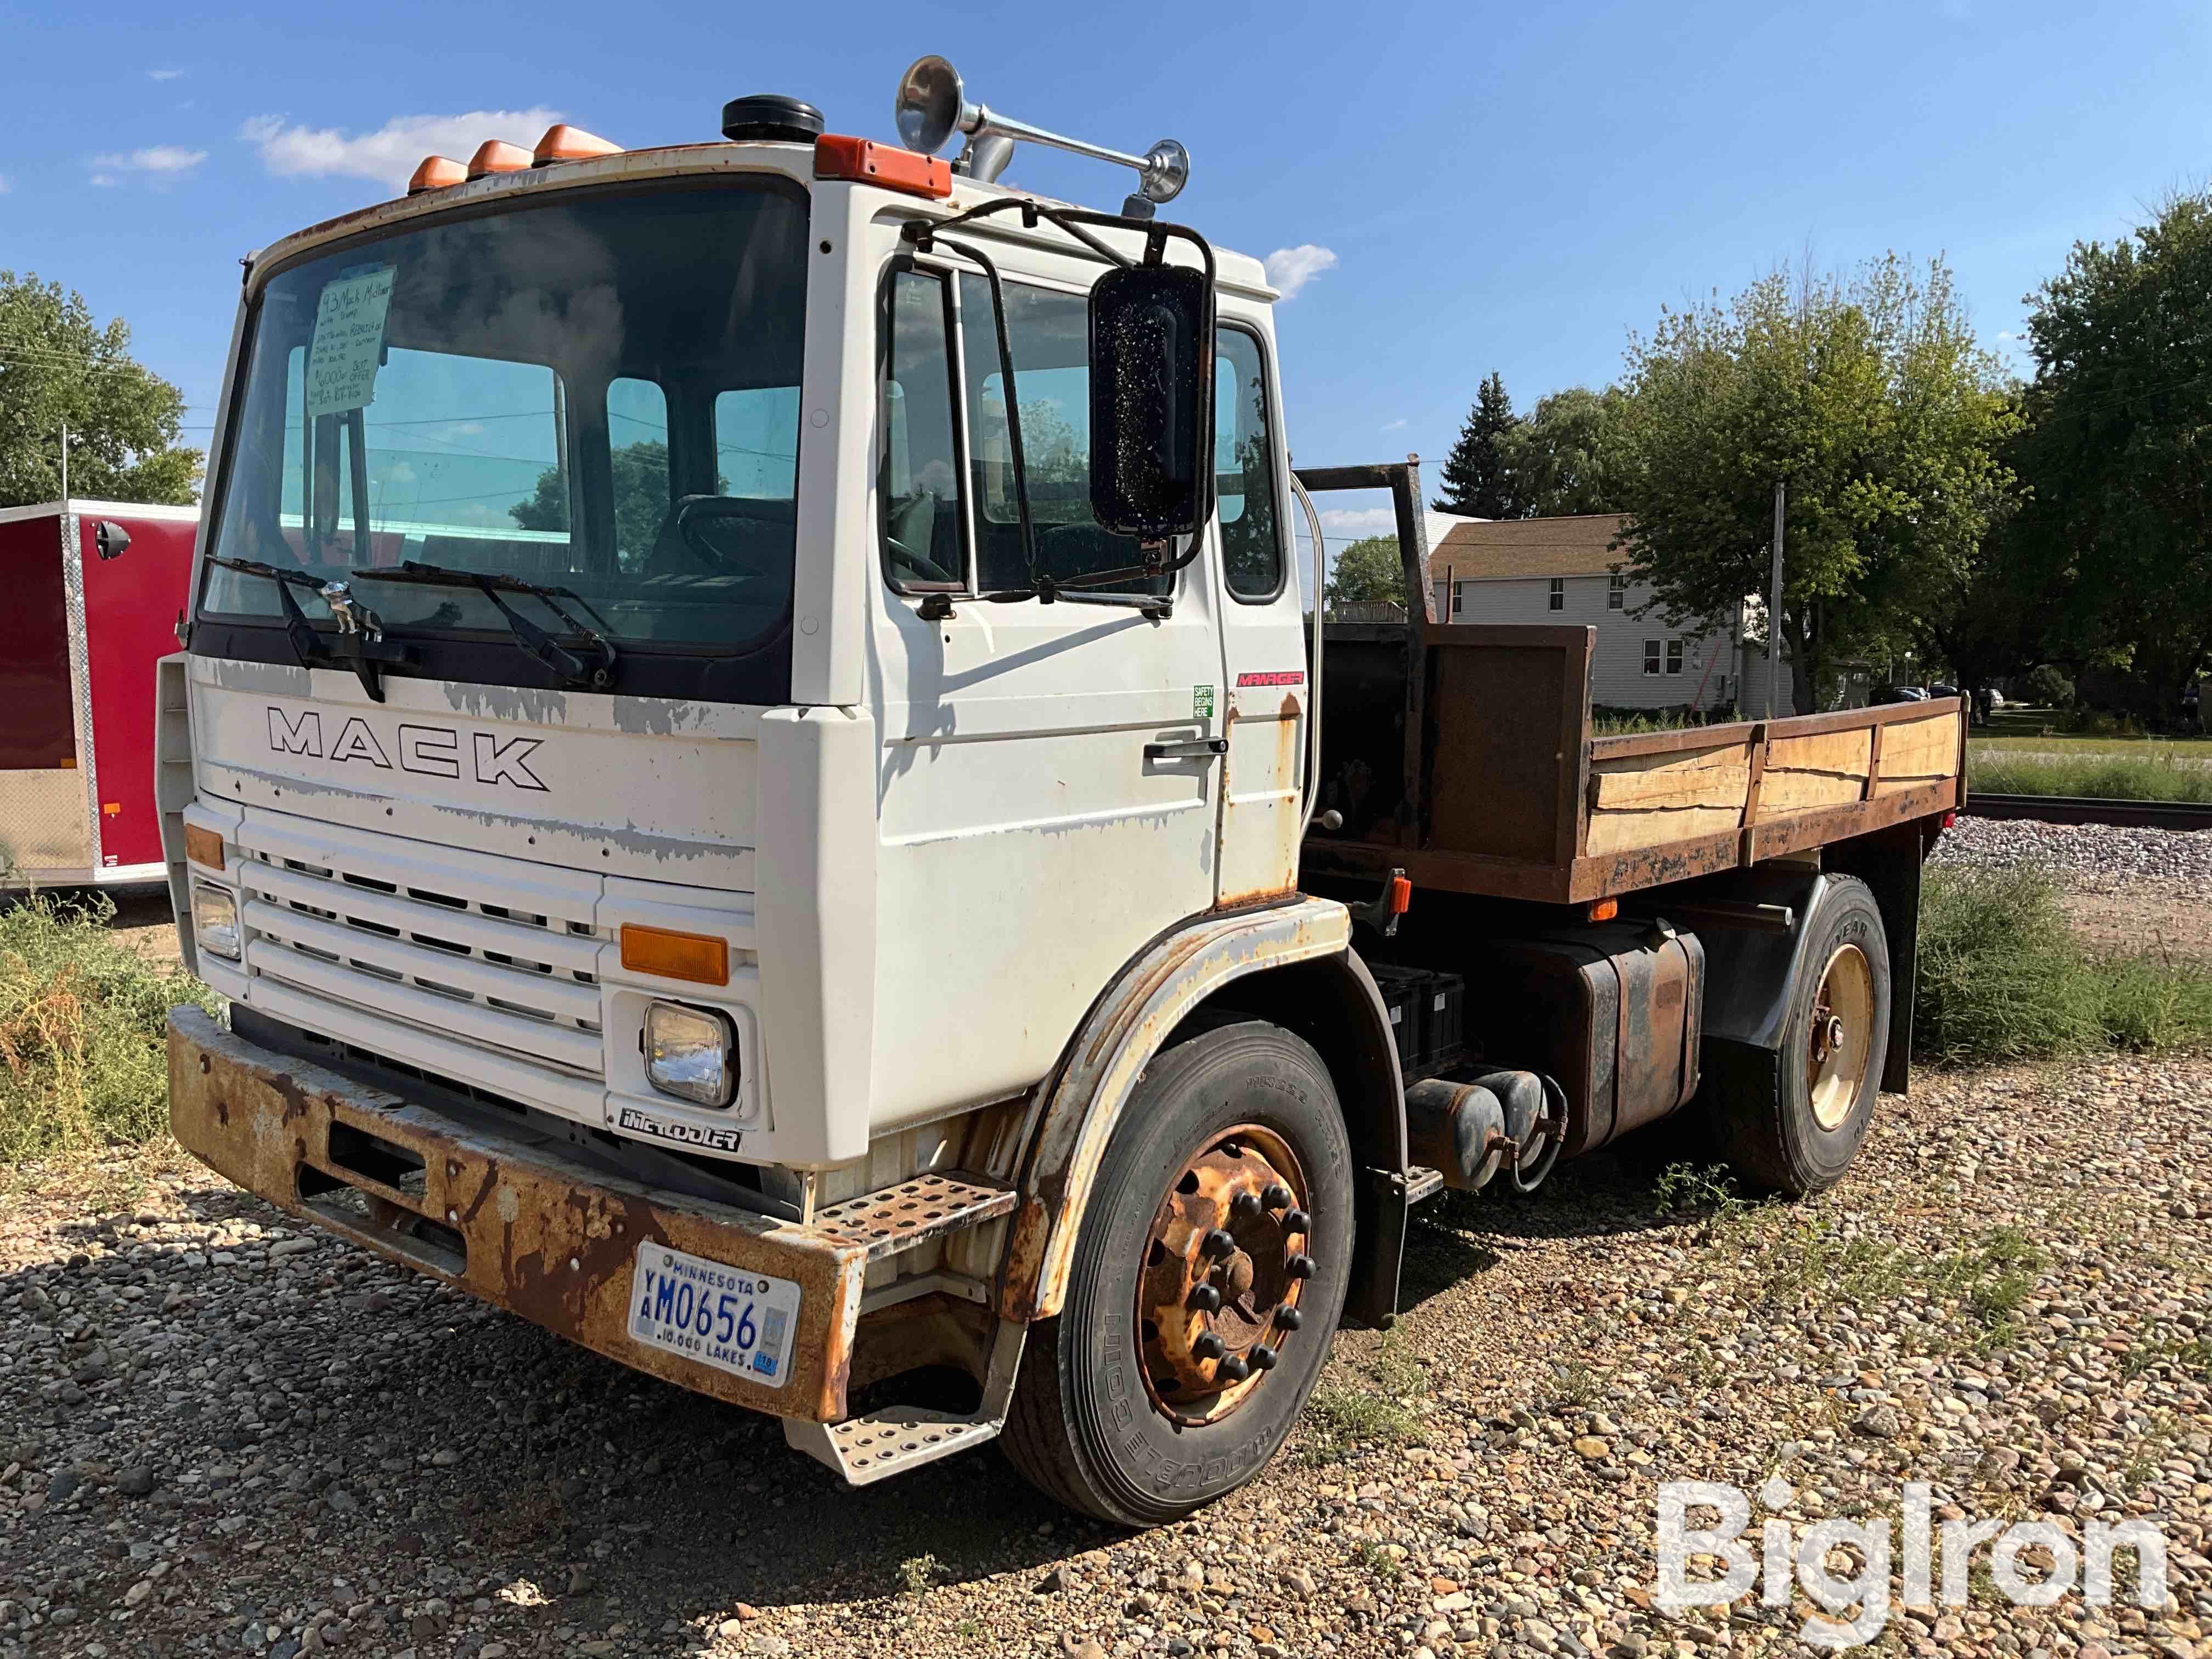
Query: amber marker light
[
  {"x": 497, "y": 155},
  {"x": 437, "y": 173},
  {"x": 563, "y": 142},
  {"x": 699, "y": 957}
]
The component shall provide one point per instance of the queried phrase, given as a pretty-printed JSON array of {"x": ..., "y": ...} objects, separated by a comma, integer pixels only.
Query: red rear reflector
[
  {"x": 866, "y": 161},
  {"x": 1401, "y": 895},
  {"x": 497, "y": 155},
  {"x": 1950, "y": 820},
  {"x": 563, "y": 142},
  {"x": 437, "y": 173}
]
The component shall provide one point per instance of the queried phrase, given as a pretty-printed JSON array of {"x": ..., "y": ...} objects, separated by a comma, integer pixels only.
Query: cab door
[{"x": 1262, "y": 629}]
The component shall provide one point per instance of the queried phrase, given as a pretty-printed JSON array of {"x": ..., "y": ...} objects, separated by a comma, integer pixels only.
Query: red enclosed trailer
[{"x": 89, "y": 594}]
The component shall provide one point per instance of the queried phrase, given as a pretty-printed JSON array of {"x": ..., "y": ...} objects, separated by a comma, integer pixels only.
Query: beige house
[{"x": 1567, "y": 571}]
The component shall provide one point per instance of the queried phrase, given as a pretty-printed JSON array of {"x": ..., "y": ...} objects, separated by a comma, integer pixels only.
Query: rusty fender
[
  {"x": 1084, "y": 1098},
  {"x": 508, "y": 1218}
]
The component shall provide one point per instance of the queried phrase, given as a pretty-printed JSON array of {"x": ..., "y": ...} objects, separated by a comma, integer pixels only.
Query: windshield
[{"x": 599, "y": 394}]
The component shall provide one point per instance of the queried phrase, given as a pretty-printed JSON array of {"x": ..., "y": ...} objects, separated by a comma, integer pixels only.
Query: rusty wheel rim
[
  {"x": 1225, "y": 1268},
  {"x": 1842, "y": 1035}
]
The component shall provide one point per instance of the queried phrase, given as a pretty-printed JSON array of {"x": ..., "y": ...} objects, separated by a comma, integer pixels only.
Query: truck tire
[
  {"x": 1228, "y": 1175},
  {"x": 1790, "y": 1119}
]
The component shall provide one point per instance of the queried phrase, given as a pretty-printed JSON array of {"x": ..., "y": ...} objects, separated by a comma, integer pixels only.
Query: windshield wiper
[
  {"x": 564, "y": 665},
  {"x": 363, "y": 650}
]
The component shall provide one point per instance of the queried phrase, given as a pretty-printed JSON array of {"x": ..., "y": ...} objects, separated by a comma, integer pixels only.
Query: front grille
[{"x": 411, "y": 934}]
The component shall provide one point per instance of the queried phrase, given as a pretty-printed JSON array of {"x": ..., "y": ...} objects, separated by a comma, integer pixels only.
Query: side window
[
  {"x": 1616, "y": 593},
  {"x": 637, "y": 452},
  {"x": 1650, "y": 656},
  {"x": 1049, "y": 336},
  {"x": 1557, "y": 601},
  {"x": 918, "y": 471},
  {"x": 1244, "y": 461},
  {"x": 1674, "y": 656}
]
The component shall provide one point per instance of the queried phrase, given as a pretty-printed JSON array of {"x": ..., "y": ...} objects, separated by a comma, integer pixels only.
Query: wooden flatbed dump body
[{"x": 1463, "y": 755}]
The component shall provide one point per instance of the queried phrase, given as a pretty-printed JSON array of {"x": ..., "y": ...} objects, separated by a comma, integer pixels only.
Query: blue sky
[{"x": 1476, "y": 186}]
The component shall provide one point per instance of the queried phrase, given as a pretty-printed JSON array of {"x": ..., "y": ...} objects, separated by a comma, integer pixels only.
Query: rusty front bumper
[{"x": 507, "y": 1216}]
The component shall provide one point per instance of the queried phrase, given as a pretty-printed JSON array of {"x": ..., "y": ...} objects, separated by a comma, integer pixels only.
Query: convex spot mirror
[{"x": 1151, "y": 401}]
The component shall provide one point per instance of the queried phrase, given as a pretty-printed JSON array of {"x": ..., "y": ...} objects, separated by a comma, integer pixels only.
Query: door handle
[{"x": 1197, "y": 749}]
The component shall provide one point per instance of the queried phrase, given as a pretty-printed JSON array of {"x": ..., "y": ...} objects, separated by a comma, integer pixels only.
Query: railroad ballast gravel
[{"x": 219, "y": 1433}]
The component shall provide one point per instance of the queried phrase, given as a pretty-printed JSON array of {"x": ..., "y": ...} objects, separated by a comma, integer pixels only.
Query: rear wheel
[
  {"x": 1206, "y": 1286},
  {"x": 1790, "y": 1119}
]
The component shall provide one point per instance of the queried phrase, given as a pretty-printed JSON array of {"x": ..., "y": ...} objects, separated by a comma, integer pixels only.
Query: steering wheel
[
  {"x": 915, "y": 565},
  {"x": 695, "y": 514}
]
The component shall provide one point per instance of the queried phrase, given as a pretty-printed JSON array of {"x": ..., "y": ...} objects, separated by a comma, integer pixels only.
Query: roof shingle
[{"x": 1581, "y": 546}]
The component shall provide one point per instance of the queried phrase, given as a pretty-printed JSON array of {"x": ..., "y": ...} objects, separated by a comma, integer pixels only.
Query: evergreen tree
[{"x": 1477, "y": 483}]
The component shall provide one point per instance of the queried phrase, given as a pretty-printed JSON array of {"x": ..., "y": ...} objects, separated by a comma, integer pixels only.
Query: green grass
[
  {"x": 1988, "y": 1282},
  {"x": 1378, "y": 1408},
  {"x": 2161, "y": 773},
  {"x": 2003, "y": 978},
  {"x": 83, "y": 1058}
]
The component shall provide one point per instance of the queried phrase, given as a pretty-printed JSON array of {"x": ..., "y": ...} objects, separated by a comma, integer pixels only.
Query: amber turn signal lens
[
  {"x": 203, "y": 847},
  {"x": 1401, "y": 895},
  {"x": 1604, "y": 909},
  {"x": 694, "y": 957}
]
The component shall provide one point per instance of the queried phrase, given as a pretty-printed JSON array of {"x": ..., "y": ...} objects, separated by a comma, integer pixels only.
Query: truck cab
[{"x": 741, "y": 754}]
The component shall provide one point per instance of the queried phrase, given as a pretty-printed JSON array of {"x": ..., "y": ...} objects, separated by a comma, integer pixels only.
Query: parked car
[{"x": 1900, "y": 694}]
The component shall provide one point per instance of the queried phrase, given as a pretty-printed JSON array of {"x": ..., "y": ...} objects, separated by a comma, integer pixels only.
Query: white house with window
[{"x": 1567, "y": 571}]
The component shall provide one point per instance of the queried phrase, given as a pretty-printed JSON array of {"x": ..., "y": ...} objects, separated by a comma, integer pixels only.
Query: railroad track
[{"x": 2082, "y": 809}]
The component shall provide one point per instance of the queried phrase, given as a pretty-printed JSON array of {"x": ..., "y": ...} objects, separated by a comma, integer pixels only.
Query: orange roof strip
[
  {"x": 497, "y": 155},
  {"x": 865, "y": 162},
  {"x": 437, "y": 173},
  {"x": 563, "y": 142}
]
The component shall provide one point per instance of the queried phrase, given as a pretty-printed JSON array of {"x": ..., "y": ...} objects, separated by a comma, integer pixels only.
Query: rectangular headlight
[
  {"x": 690, "y": 1052},
  {"x": 214, "y": 920}
]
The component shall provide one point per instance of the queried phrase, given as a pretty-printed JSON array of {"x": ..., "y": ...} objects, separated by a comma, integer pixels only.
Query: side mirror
[
  {"x": 1151, "y": 401},
  {"x": 110, "y": 539}
]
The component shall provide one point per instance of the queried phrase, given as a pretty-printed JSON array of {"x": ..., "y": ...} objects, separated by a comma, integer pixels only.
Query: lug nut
[
  {"x": 1219, "y": 1243},
  {"x": 1289, "y": 1317},
  {"x": 1246, "y": 1203},
  {"x": 1262, "y": 1357},
  {"x": 1299, "y": 1266},
  {"x": 1232, "y": 1369},
  {"x": 1208, "y": 1346},
  {"x": 1205, "y": 1299},
  {"x": 1276, "y": 1195},
  {"x": 1297, "y": 1221}
]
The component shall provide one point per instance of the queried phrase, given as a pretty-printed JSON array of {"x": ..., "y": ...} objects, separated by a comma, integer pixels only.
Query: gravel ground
[
  {"x": 220, "y": 1434},
  {"x": 2125, "y": 890}
]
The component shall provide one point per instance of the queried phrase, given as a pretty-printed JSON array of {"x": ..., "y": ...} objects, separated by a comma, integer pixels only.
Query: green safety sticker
[{"x": 1201, "y": 702}]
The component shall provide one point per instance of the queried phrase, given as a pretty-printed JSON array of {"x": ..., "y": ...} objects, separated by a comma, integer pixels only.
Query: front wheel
[
  {"x": 1206, "y": 1286},
  {"x": 1790, "y": 1119}
]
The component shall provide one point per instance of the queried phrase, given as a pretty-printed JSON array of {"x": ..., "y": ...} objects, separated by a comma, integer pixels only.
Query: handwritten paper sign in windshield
[{"x": 348, "y": 338}]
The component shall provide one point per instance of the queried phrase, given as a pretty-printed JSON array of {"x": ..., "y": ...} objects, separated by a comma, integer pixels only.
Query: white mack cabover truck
[{"x": 751, "y": 758}]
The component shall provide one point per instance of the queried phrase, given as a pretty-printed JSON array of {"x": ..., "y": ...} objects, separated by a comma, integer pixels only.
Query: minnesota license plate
[{"x": 719, "y": 1315}]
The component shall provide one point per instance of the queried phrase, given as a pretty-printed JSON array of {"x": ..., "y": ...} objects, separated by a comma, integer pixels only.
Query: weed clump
[{"x": 83, "y": 1058}]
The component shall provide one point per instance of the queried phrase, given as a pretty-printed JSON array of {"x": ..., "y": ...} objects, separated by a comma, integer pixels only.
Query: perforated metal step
[
  {"x": 927, "y": 1206},
  {"x": 879, "y": 1444}
]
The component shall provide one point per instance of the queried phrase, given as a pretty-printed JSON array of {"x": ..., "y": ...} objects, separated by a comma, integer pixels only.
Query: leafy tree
[
  {"x": 1569, "y": 454},
  {"x": 1367, "y": 571},
  {"x": 58, "y": 367},
  {"x": 641, "y": 499},
  {"x": 2118, "y": 452},
  {"x": 1868, "y": 395},
  {"x": 1478, "y": 484}
]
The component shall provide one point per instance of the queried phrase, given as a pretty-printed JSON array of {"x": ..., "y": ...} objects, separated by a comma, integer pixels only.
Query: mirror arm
[{"x": 925, "y": 242}]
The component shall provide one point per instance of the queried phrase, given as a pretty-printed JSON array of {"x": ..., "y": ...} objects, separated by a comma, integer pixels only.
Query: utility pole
[{"x": 1774, "y": 603}]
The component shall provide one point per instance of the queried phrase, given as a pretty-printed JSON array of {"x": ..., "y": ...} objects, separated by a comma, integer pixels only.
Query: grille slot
[{"x": 502, "y": 975}]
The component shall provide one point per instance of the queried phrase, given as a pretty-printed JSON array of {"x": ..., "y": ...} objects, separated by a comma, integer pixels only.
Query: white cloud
[
  {"x": 390, "y": 154},
  {"x": 1291, "y": 268},
  {"x": 101, "y": 181},
  {"x": 1341, "y": 525},
  {"x": 163, "y": 74},
  {"x": 1398, "y": 425},
  {"x": 162, "y": 161}
]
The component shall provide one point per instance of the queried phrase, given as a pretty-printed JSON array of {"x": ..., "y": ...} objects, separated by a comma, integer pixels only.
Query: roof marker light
[
  {"x": 865, "y": 161},
  {"x": 437, "y": 173},
  {"x": 563, "y": 142},
  {"x": 496, "y": 155}
]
